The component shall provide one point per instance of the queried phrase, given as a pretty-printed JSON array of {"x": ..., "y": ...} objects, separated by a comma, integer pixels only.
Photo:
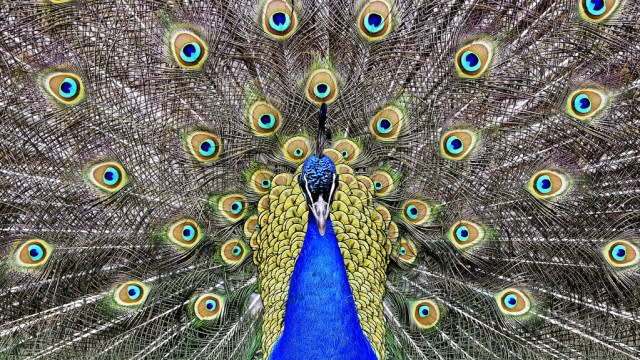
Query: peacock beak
[{"x": 320, "y": 210}]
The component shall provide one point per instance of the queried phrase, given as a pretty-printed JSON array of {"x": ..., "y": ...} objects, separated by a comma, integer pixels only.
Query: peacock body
[{"x": 312, "y": 179}]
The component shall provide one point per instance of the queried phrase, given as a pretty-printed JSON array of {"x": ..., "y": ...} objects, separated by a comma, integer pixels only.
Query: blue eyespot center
[
  {"x": 236, "y": 207},
  {"x": 133, "y": 291},
  {"x": 384, "y": 126},
  {"x": 68, "y": 88},
  {"x": 207, "y": 148},
  {"x": 236, "y": 251},
  {"x": 412, "y": 212},
  {"x": 377, "y": 185},
  {"x": 267, "y": 121},
  {"x": 345, "y": 154},
  {"x": 188, "y": 232},
  {"x": 619, "y": 252},
  {"x": 111, "y": 176},
  {"x": 510, "y": 301},
  {"x": 211, "y": 304},
  {"x": 596, "y": 7},
  {"x": 402, "y": 251},
  {"x": 36, "y": 252},
  {"x": 373, "y": 22},
  {"x": 423, "y": 311},
  {"x": 298, "y": 152},
  {"x": 454, "y": 145},
  {"x": 321, "y": 90},
  {"x": 462, "y": 233},
  {"x": 279, "y": 21},
  {"x": 543, "y": 184},
  {"x": 470, "y": 61},
  {"x": 582, "y": 104},
  {"x": 265, "y": 184},
  {"x": 191, "y": 52}
]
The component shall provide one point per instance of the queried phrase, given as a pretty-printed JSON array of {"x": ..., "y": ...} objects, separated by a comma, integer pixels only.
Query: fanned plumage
[{"x": 161, "y": 162}]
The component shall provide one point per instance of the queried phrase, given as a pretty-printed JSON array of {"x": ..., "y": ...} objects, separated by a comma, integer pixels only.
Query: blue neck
[{"x": 321, "y": 320}]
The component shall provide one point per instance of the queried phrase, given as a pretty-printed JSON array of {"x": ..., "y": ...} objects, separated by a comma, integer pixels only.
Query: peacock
[{"x": 320, "y": 179}]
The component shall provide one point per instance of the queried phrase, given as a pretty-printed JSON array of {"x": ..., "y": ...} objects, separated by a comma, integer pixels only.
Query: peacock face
[{"x": 318, "y": 182}]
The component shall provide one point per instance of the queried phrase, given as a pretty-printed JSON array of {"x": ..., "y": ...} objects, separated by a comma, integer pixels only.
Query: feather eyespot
[
  {"x": 188, "y": 49},
  {"x": 375, "y": 20},
  {"x": 424, "y": 314},
  {"x": 621, "y": 254},
  {"x": 584, "y": 104},
  {"x": 598, "y": 10},
  {"x": 416, "y": 212},
  {"x": 32, "y": 253},
  {"x": 386, "y": 124},
  {"x": 64, "y": 87},
  {"x": 383, "y": 183},
  {"x": 296, "y": 149},
  {"x": 513, "y": 302},
  {"x": 322, "y": 87},
  {"x": 233, "y": 207},
  {"x": 279, "y": 19},
  {"x": 108, "y": 176},
  {"x": 474, "y": 59},
  {"x": 264, "y": 119},
  {"x": 406, "y": 251},
  {"x": 185, "y": 233},
  {"x": 131, "y": 294},
  {"x": 204, "y": 146},
  {"x": 261, "y": 181},
  {"x": 547, "y": 184},
  {"x": 457, "y": 144},
  {"x": 234, "y": 252},
  {"x": 347, "y": 149},
  {"x": 208, "y": 306},
  {"x": 464, "y": 234}
]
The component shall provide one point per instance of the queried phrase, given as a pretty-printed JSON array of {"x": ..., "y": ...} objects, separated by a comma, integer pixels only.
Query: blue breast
[{"x": 321, "y": 320}]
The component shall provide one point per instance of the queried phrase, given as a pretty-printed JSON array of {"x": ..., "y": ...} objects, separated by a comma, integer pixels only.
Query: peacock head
[{"x": 319, "y": 179}]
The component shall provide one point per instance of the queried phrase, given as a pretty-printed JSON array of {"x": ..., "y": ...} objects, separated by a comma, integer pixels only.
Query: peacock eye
[
  {"x": 457, "y": 144},
  {"x": 185, "y": 233},
  {"x": 347, "y": 149},
  {"x": 64, "y": 87},
  {"x": 584, "y": 104},
  {"x": 204, "y": 146},
  {"x": 264, "y": 119},
  {"x": 188, "y": 49},
  {"x": 406, "y": 251},
  {"x": 513, "y": 302},
  {"x": 425, "y": 314},
  {"x": 473, "y": 60},
  {"x": 416, "y": 212},
  {"x": 107, "y": 176},
  {"x": 296, "y": 149},
  {"x": 383, "y": 183},
  {"x": 278, "y": 19},
  {"x": 261, "y": 181},
  {"x": 32, "y": 253},
  {"x": 621, "y": 254},
  {"x": 131, "y": 293},
  {"x": 233, "y": 207},
  {"x": 322, "y": 87},
  {"x": 208, "y": 306},
  {"x": 464, "y": 234},
  {"x": 598, "y": 10},
  {"x": 386, "y": 124},
  {"x": 547, "y": 184},
  {"x": 234, "y": 252},
  {"x": 375, "y": 20}
]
